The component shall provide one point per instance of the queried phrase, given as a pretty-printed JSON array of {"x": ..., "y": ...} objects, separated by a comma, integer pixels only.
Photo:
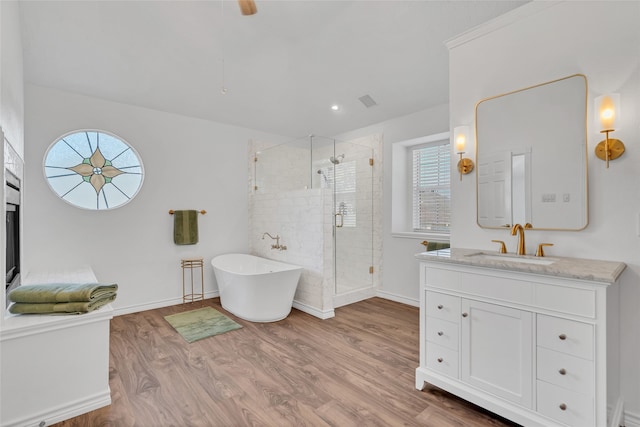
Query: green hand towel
[
  {"x": 60, "y": 307},
  {"x": 434, "y": 246},
  {"x": 185, "y": 227},
  {"x": 62, "y": 292}
]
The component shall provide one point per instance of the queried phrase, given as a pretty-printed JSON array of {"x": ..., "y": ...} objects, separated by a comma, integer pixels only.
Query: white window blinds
[
  {"x": 345, "y": 188},
  {"x": 431, "y": 187}
]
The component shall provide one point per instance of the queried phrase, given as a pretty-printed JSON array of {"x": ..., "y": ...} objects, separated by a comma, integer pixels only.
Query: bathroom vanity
[{"x": 532, "y": 339}]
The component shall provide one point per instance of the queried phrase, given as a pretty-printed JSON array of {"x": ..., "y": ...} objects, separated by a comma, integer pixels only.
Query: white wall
[
  {"x": 400, "y": 275},
  {"x": 600, "y": 39},
  {"x": 189, "y": 164}
]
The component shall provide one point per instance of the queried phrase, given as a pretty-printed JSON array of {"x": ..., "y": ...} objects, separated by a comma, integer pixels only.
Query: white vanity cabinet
[
  {"x": 535, "y": 344},
  {"x": 496, "y": 350},
  {"x": 442, "y": 333}
]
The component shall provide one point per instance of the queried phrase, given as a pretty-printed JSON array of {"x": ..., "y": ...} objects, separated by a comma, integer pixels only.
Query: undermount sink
[{"x": 510, "y": 258}]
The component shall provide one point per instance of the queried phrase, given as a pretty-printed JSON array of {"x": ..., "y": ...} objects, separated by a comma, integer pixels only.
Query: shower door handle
[{"x": 339, "y": 215}]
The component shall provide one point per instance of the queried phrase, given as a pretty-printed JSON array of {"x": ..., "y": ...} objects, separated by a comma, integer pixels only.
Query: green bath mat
[{"x": 197, "y": 324}]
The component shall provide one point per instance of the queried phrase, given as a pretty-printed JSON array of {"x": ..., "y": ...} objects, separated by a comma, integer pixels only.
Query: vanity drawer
[
  {"x": 442, "y": 359},
  {"x": 442, "y": 332},
  {"x": 566, "y": 336},
  {"x": 441, "y": 278},
  {"x": 443, "y": 306},
  {"x": 564, "y": 406},
  {"x": 499, "y": 288},
  {"x": 566, "y": 371},
  {"x": 581, "y": 302}
]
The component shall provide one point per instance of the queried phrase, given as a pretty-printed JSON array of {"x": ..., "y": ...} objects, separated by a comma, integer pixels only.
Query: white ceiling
[{"x": 283, "y": 67}]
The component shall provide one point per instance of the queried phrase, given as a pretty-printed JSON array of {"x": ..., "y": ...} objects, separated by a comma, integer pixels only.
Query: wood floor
[{"x": 356, "y": 369}]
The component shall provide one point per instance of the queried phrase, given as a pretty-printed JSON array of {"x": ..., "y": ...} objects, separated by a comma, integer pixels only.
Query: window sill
[{"x": 432, "y": 237}]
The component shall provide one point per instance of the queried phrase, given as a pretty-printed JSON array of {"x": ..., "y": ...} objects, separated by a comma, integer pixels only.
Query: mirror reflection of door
[{"x": 494, "y": 189}]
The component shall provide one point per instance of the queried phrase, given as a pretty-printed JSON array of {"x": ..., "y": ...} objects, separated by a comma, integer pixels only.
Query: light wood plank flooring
[{"x": 356, "y": 369}]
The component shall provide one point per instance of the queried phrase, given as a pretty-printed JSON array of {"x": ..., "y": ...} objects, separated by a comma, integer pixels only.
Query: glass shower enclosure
[{"x": 341, "y": 173}]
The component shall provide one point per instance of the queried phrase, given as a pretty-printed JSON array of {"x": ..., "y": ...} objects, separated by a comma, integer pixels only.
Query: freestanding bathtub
[{"x": 255, "y": 289}]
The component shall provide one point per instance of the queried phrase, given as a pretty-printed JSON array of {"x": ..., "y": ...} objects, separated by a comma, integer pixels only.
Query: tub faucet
[{"x": 277, "y": 246}]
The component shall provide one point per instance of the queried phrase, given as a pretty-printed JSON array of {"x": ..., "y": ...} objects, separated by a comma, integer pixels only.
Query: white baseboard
[
  {"x": 631, "y": 419},
  {"x": 321, "y": 314},
  {"x": 326, "y": 314},
  {"x": 398, "y": 298},
  {"x": 615, "y": 414},
  {"x": 353, "y": 297},
  {"x": 54, "y": 415},
  {"x": 158, "y": 304}
]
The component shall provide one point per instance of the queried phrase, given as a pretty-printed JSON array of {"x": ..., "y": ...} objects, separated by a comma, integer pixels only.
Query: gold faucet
[
  {"x": 517, "y": 228},
  {"x": 503, "y": 248},
  {"x": 540, "y": 251}
]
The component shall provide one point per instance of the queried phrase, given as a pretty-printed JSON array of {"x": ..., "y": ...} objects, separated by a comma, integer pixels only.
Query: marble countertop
[{"x": 574, "y": 268}]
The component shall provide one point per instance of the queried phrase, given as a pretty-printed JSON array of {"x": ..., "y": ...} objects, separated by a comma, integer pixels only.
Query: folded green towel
[
  {"x": 62, "y": 292},
  {"x": 77, "y": 307},
  {"x": 185, "y": 227}
]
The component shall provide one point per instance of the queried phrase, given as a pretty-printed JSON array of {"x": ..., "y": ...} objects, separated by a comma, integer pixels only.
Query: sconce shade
[
  {"x": 607, "y": 112},
  {"x": 460, "y": 136}
]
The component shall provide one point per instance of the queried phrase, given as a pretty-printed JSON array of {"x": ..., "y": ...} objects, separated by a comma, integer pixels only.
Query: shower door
[{"x": 352, "y": 170}]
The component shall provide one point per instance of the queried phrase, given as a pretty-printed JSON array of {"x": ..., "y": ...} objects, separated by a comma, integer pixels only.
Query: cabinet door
[{"x": 496, "y": 350}]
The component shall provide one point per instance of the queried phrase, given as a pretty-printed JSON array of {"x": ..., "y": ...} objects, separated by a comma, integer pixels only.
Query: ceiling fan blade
[{"x": 247, "y": 7}]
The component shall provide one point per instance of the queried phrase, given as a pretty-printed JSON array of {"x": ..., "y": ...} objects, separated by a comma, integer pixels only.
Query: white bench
[{"x": 54, "y": 367}]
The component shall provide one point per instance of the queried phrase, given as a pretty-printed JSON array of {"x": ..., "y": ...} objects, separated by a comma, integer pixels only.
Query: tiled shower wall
[
  {"x": 303, "y": 217},
  {"x": 302, "y": 220}
]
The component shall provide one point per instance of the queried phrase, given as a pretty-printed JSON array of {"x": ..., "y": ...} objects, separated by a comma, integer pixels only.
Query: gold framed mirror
[{"x": 531, "y": 156}]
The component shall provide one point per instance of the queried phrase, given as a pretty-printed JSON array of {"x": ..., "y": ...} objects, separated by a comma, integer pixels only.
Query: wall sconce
[
  {"x": 460, "y": 137},
  {"x": 607, "y": 118}
]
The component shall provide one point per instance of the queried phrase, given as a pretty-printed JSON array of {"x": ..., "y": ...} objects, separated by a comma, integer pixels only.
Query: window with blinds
[{"x": 432, "y": 187}]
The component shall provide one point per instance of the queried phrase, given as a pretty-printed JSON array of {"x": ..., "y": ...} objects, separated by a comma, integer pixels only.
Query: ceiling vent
[{"x": 368, "y": 101}]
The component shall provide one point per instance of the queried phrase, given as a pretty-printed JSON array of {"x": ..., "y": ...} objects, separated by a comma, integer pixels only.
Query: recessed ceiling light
[{"x": 335, "y": 107}]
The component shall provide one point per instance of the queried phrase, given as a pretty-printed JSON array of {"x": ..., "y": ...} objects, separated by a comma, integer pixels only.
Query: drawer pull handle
[
  {"x": 465, "y": 314},
  {"x": 440, "y": 359},
  {"x": 440, "y": 333},
  {"x": 440, "y": 306},
  {"x": 563, "y": 407},
  {"x": 563, "y": 371},
  {"x": 562, "y": 337}
]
